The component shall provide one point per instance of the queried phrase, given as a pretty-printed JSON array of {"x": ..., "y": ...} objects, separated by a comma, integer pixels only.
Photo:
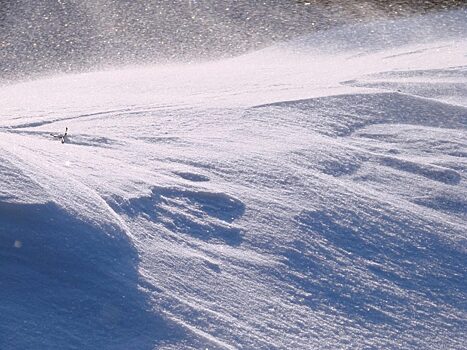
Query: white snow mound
[{"x": 307, "y": 196}]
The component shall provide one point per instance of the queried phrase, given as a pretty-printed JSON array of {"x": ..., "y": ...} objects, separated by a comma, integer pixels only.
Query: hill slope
[{"x": 309, "y": 195}]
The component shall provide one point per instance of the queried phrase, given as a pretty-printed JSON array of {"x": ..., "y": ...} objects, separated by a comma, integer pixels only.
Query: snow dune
[{"x": 307, "y": 196}]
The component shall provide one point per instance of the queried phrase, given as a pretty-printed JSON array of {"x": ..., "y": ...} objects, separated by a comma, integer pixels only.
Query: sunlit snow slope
[{"x": 307, "y": 196}]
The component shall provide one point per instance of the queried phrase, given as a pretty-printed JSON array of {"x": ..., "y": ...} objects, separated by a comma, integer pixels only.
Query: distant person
[{"x": 61, "y": 137}]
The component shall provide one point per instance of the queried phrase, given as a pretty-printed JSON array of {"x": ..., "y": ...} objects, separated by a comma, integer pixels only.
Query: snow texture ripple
[{"x": 311, "y": 195}]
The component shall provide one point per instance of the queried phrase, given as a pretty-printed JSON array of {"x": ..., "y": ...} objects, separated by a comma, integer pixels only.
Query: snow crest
[{"x": 295, "y": 197}]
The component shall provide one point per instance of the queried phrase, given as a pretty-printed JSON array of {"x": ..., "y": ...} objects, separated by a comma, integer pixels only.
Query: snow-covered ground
[{"x": 311, "y": 195}]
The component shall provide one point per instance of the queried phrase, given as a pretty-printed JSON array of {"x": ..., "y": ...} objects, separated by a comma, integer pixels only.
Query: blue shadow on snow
[
  {"x": 65, "y": 284},
  {"x": 334, "y": 265}
]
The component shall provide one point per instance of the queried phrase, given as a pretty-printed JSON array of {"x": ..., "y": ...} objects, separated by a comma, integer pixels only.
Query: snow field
[{"x": 306, "y": 196}]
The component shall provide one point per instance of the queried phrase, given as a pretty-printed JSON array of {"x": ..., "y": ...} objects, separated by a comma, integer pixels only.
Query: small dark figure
[{"x": 61, "y": 137}]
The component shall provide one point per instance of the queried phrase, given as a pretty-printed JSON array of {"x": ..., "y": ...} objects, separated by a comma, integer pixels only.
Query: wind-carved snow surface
[{"x": 307, "y": 196}]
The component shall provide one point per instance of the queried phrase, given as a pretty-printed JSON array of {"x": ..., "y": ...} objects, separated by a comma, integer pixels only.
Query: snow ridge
[{"x": 267, "y": 202}]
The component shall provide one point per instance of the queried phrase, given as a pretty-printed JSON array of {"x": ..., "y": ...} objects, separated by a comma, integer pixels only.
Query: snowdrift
[
  {"x": 310, "y": 195},
  {"x": 67, "y": 282}
]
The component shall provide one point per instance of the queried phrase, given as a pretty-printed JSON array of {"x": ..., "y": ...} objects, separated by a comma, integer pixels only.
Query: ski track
[{"x": 262, "y": 202}]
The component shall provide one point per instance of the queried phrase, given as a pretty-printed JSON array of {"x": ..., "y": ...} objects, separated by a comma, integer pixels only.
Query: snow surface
[{"x": 307, "y": 196}]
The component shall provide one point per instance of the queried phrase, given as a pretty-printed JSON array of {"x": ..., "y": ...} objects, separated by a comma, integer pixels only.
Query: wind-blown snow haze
[
  {"x": 51, "y": 36},
  {"x": 246, "y": 182}
]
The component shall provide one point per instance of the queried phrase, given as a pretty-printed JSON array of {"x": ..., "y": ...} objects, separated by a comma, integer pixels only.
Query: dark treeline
[
  {"x": 391, "y": 7},
  {"x": 69, "y": 35}
]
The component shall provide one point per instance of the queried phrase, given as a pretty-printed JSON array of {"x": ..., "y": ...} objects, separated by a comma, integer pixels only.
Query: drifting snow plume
[{"x": 69, "y": 35}]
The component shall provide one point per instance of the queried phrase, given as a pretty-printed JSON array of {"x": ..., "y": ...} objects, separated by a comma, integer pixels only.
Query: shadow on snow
[
  {"x": 65, "y": 284},
  {"x": 375, "y": 271},
  {"x": 207, "y": 216}
]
